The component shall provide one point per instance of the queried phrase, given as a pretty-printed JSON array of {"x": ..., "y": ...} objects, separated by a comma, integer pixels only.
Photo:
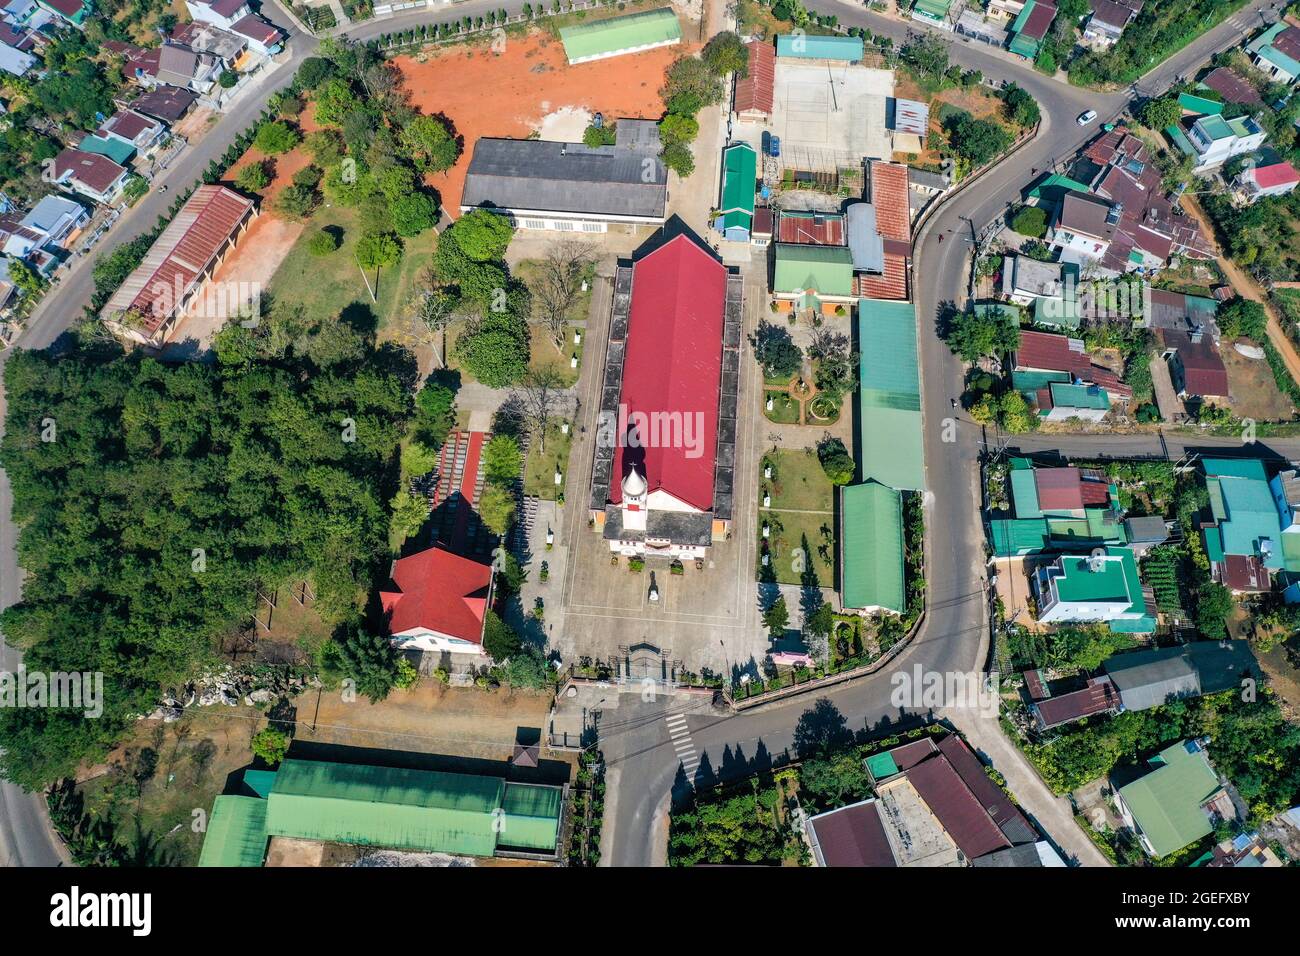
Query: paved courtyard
[{"x": 705, "y": 618}]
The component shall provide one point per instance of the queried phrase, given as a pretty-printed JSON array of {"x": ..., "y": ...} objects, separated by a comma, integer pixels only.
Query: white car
[{"x": 1086, "y": 117}]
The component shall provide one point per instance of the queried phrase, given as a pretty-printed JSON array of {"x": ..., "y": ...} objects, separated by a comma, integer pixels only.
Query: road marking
[{"x": 679, "y": 734}]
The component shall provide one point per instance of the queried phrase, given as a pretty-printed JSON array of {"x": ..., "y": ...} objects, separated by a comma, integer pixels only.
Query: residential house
[
  {"x": 1106, "y": 23},
  {"x": 142, "y": 133},
  {"x": 754, "y": 92},
  {"x": 1056, "y": 509},
  {"x": 43, "y": 236},
  {"x": 1195, "y": 366},
  {"x": 1213, "y": 140},
  {"x": 883, "y": 276},
  {"x": 1048, "y": 289},
  {"x": 1234, "y": 88},
  {"x": 175, "y": 65},
  {"x": 1083, "y": 227},
  {"x": 166, "y": 103},
  {"x": 1246, "y": 521},
  {"x": 811, "y": 228},
  {"x": 1246, "y": 850},
  {"x": 1063, "y": 401},
  {"x": 1030, "y": 28},
  {"x": 438, "y": 603},
  {"x": 1257, "y": 182},
  {"x": 1145, "y": 532},
  {"x": 114, "y": 149},
  {"x": 1005, "y": 9},
  {"x": 1050, "y": 710},
  {"x": 871, "y": 549},
  {"x": 850, "y": 836},
  {"x": 93, "y": 176},
  {"x": 421, "y": 811},
  {"x": 263, "y": 37},
  {"x": 16, "y": 62},
  {"x": 764, "y": 226},
  {"x": 739, "y": 178},
  {"x": 677, "y": 328},
  {"x": 74, "y": 12},
  {"x": 1178, "y": 801},
  {"x": 175, "y": 271},
  {"x": 1152, "y": 678},
  {"x": 540, "y": 184},
  {"x": 222, "y": 13},
  {"x": 204, "y": 38},
  {"x": 1276, "y": 52},
  {"x": 1045, "y": 359},
  {"x": 1102, "y": 587}
]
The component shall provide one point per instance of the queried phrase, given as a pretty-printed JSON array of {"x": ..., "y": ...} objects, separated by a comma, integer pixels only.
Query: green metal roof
[
  {"x": 1263, "y": 46},
  {"x": 802, "y": 267},
  {"x": 116, "y": 150},
  {"x": 1199, "y": 104},
  {"x": 805, "y": 46},
  {"x": 531, "y": 817},
  {"x": 936, "y": 10},
  {"x": 1215, "y": 127},
  {"x": 236, "y": 833},
  {"x": 1023, "y": 17},
  {"x": 260, "y": 781},
  {"x": 1053, "y": 188},
  {"x": 1024, "y": 494},
  {"x": 882, "y": 765},
  {"x": 1175, "y": 133},
  {"x": 625, "y": 34},
  {"x": 872, "y": 542},
  {"x": 1166, "y": 803},
  {"x": 1242, "y": 504},
  {"x": 1080, "y": 584},
  {"x": 1235, "y": 468},
  {"x": 739, "y": 174},
  {"x": 1015, "y": 536},
  {"x": 889, "y": 395},
  {"x": 1023, "y": 45},
  {"x": 1030, "y": 382}
]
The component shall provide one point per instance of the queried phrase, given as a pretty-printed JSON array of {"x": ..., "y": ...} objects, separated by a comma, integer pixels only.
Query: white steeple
[{"x": 634, "y": 485}]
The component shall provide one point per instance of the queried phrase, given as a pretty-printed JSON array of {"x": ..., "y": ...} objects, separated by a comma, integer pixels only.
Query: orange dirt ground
[{"x": 484, "y": 93}]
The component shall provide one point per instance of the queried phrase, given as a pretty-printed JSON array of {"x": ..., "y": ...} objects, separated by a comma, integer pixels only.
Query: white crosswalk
[{"x": 680, "y": 737}]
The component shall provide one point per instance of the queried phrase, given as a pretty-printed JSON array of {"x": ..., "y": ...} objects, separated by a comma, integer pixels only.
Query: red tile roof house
[
  {"x": 1097, "y": 696},
  {"x": 1257, "y": 182},
  {"x": 662, "y": 475},
  {"x": 1044, "y": 352},
  {"x": 175, "y": 270},
  {"x": 439, "y": 602},
  {"x": 135, "y": 129},
  {"x": 1195, "y": 365},
  {"x": 753, "y": 96},
  {"x": 892, "y": 203},
  {"x": 93, "y": 176}
]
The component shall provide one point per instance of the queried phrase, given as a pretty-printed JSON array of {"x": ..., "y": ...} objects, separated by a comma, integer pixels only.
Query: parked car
[{"x": 1086, "y": 117}]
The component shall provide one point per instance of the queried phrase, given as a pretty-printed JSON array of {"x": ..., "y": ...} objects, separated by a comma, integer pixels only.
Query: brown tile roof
[
  {"x": 754, "y": 92},
  {"x": 255, "y": 28},
  {"x": 890, "y": 199},
  {"x": 1203, "y": 370},
  {"x": 1040, "y": 21},
  {"x": 891, "y": 284},
  {"x": 1097, "y": 698},
  {"x": 1111, "y": 13},
  {"x": 168, "y": 103},
  {"x": 1095, "y": 492},
  {"x": 94, "y": 171},
  {"x": 128, "y": 124},
  {"x": 1059, "y": 489},
  {"x": 1232, "y": 87},
  {"x": 762, "y": 221},
  {"x": 1043, "y": 350},
  {"x": 819, "y": 229},
  {"x": 1288, "y": 42},
  {"x": 1005, "y": 814},
  {"x": 1083, "y": 214},
  {"x": 958, "y": 810},
  {"x": 907, "y": 756},
  {"x": 853, "y": 836},
  {"x": 1242, "y": 572}
]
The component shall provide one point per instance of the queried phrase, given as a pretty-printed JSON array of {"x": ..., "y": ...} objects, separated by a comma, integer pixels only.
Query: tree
[
  {"x": 556, "y": 283},
  {"x": 270, "y": 745},
  {"x": 1213, "y": 605},
  {"x": 596, "y": 136},
  {"x": 1030, "y": 221},
  {"x": 538, "y": 399},
  {"x": 1243, "y": 318},
  {"x": 976, "y": 140},
  {"x": 335, "y": 99},
  {"x": 1161, "y": 113},
  {"x": 378, "y": 251},
  {"x": 409, "y": 514},
  {"x": 501, "y": 461},
  {"x": 678, "y": 158},
  {"x": 252, "y": 178},
  {"x": 836, "y": 461},
  {"x": 480, "y": 235},
  {"x": 528, "y": 669},
  {"x": 925, "y": 54},
  {"x": 499, "y": 638},
  {"x": 1020, "y": 107},
  {"x": 313, "y": 72},
  {"x": 296, "y": 202},
  {"x": 323, "y": 242},
  {"x": 726, "y": 53},
  {"x": 690, "y": 85},
  {"x": 972, "y": 334},
  {"x": 228, "y": 79},
  {"x": 26, "y": 279},
  {"x": 678, "y": 130},
  {"x": 274, "y": 137},
  {"x": 430, "y": 144},
  {"x": 834, "y": 782},
  {"x": 776, "y": 617},
  {"x": 435, "y": 308},
  {"x": 1017, "y": 416},
  {"x": 413, "y": 213},
  {"x": 494, "y": 349},
  {"x": 836, "y": 368},
  {"x": 775, "y": 350},
  {"x": 496, "y": 507},
  {"x": 367, "y": 659}
]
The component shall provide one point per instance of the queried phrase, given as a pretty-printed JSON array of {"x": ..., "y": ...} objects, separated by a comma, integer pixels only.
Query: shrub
[
  {"x": 323, "y": 242},
  {"x": 836, "y": 461}
]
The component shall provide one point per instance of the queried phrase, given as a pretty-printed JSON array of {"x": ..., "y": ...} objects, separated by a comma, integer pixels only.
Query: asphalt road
[{"x": 642, "y": 764}]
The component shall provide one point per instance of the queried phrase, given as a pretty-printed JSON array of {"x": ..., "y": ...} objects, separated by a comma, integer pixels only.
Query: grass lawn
[
  {"x": 784, "y": 411},
  {"x": 329, "y": 285},
  {"x": 794, "y": 542},
  {"x": 798, "y": 482},
  {"x": 539, "y": 469},
  {"x": 542, "y": 354}
]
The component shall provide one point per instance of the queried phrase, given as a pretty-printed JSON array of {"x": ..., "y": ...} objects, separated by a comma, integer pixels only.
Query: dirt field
[
  {"x": 1254, "y": 392},
  {"x": 485, "y": 93},
  {"x": 979, "y": 102}
]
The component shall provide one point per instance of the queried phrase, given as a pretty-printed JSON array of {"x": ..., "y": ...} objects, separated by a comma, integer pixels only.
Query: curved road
[{"x": 642, "y": 764}]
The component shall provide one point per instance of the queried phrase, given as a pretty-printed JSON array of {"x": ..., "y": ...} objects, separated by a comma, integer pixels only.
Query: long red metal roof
[
  {"x": 672, "y": 371},
  {"x": 754, "y": 91}
]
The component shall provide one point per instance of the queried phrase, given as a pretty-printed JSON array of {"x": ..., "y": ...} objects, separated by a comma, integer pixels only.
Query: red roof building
[
  {"x": 754, "y": 92},
  {"x": 1098, "y": 697},
  {"x": 90, "y": 174},
  {"x": 673, "y": 365},
  {"x": 1059, "y": 489},
  {"x": 961, "y": 814},
  {"x": 890, "y": 199},
  {"x": 1195, "y": 366},
  {"x": 439, "y": 602},
  {"x": 811, "y": 228},
  {"x": 1045, "y": 352},
  {"x": 1232, "y": 87}
]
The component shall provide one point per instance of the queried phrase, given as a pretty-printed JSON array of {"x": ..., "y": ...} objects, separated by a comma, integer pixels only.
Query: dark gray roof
[
  {"x": 619, "y": 180},
  {"x": 864, "y": 240},
  {"x": 1223, "y": 665},
  {"x": 927, "y": 178},
  {"x": 1026, "y": 854},
  {"x": 1150, "y": 529},
  {"x": 1150, "y": 678},
  {"x": 679, "y": 527}
]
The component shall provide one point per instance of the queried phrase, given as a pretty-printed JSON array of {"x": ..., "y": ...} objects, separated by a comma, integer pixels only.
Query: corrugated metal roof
[
  {"x": 865, "y": 242},
  {"x": 872, "y": 547},
  {"x": 808, "y": 47},
  {"x": 585, "y": 41},
  {"x": 739, "y": 176},
  {"x": 1167, "y": 803},
  {"x": 236, "y": 834},
  {"x": 826, "y": 270},
  {"x": 755, "y": 90},
  {"x": 889, "y": 402}
]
